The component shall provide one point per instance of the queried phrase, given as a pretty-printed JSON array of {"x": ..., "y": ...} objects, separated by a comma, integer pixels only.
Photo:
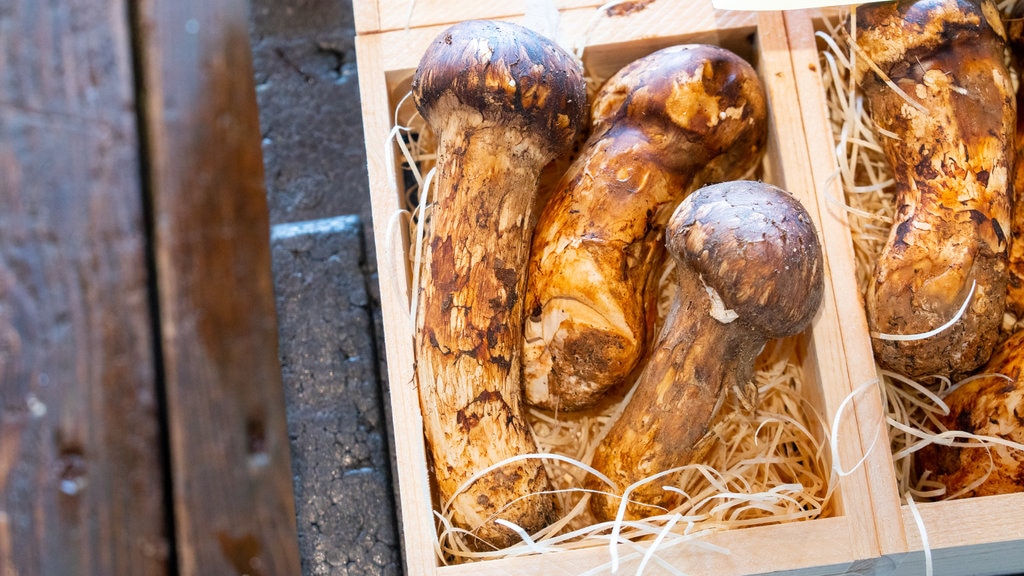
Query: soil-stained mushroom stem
[
  {"x": 662, "y": 126},
  {"x": 749, "y": 269},
  {"x": 503, "y": 102},
  {"x": 948, "y": 135}
]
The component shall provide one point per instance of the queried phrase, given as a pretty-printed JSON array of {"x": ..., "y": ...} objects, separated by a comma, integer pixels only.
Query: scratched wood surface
[
  {"x": 230, "y": 470},
  {"x": 142, "y": 425},
  {"x": 81, "y": 467}
]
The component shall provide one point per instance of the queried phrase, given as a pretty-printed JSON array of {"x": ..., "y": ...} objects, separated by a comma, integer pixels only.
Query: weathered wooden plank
[
  {"x": 81, "y": 476},
  {"x": 231, "y": 474}
]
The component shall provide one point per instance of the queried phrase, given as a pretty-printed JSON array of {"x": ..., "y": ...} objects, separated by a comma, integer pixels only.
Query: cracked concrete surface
[
  {"x": 310, "y": 117},
  {"x": 338, "y": 433},
  {"x": 326, "y": 285}
]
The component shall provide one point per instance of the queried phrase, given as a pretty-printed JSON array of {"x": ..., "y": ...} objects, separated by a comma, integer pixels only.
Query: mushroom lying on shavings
[
  {"x": 749, "y": 269},
  {"x": 913, "y": 408},
  {"x": 661, "y": 127},
  {"x": 504, "y": 101},
  {"x": 768, "y": 465}
]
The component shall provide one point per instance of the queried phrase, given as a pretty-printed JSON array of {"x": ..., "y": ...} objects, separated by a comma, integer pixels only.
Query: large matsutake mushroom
[
  {"x": 749, "y": 269},
  {"x": 663, "y": 126},
  {"x": 503, "y": 101},
  {"x": 937, "y": 88}
]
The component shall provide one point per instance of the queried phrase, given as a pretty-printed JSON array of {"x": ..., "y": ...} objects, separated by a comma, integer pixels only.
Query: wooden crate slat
[
  {"x": 791, "y": 167},
  {"x": 387, "y": 15},
  {"x": 81, "y": 466},
  {"x": 412, "y": 482},
  {"x": 231, "y": 473},
  {"x": 835, "y": 230},
  {"x": 757, "y": 551},
  {"x": 605, "y": 37},
  {"x": 384, "y": 79},
  {"x": 968, "y": 536}
]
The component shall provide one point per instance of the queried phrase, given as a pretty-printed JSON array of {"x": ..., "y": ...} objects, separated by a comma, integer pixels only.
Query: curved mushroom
[
  {"x": 661, "y": 127},
  {"x": 749, "y": 269},
  {"x": 503, "y": 102},
  {"x": 949, "y": 139},
  {"x": 991, "y": 405}
]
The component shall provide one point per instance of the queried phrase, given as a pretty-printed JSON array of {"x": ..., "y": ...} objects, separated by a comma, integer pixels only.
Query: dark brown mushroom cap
[
  {"x": 507, "y": 73},
  {"x": 892, "y": 32},
  {"x": 756, "y": 246},
  {"x": 687, "y": 94}
]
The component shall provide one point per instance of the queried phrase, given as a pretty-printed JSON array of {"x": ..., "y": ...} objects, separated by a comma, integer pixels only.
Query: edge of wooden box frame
[{"x": 849, "y": 541}]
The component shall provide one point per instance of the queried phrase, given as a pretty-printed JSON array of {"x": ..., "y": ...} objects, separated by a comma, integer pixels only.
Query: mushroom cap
[
  {"x": 756, "y": 246},
  {"x": 688, "y": 99},
  {"x": 504, "y": 74}
]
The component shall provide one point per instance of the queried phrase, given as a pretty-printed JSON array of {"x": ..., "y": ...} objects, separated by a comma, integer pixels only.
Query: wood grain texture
[
  {"x": 794, "y": 166},
  {"x": 391, "y": 15},
  {"x": 610, "y": 42},
  {"x": 416, "y": 520},
  {"x": 81, "y": 468},
  {"x": 974, "y": 536},
  {"x": 231, "y": 475},
  {"x": 756, "y": 551},
  {"x": 854, "y": 343},
  {"x": 383, "y": 15}
]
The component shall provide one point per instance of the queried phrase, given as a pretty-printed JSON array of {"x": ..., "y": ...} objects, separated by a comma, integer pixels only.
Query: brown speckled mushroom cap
[
  {"x": 755, "y": 245},
  {"x": 679, "y": 98},
  {"x": 505, "y": 74}
]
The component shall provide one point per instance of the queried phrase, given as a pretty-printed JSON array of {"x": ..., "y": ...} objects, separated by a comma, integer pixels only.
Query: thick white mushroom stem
[
  {"x": 503, "y": 102},
  {"x": 749, "y": 269}
]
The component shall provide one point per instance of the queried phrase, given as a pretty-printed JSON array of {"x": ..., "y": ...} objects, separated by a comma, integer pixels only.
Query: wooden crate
[
  {"x": 388, "y": 53},
  {"x": 388, "y": 15},
  {"x": 971, "y": 536}
]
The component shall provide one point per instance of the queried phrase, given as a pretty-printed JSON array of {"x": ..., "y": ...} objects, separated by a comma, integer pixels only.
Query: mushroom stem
[
  {"x": 503, "y": 102},
  {"x": 468, "y": 350},
  {"x": 749, "y": 269},
  {"x": 680, "y": 395}
]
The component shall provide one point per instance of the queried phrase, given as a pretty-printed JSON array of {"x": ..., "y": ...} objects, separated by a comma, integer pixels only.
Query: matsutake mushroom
[
  {"x": 503, "y": 101},
  {"x": 664, "y": 125},
  {"x": 989, "y": 406},
  {"x": 1015, "y": 255},
  {"x": 748, "y": 269},
  {"x": 939, "y": 92}
]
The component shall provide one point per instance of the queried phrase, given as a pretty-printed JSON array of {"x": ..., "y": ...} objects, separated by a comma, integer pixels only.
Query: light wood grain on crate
[
  {"x": 845, "y": 541},
  {"x": 388, "y": 15},
  {"x": 839, "y": 250}
]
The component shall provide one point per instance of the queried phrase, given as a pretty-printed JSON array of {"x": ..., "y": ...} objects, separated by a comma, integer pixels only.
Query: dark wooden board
[
  {"x": 81, "y": 467},
  {"x": 230, "y": 469}
]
